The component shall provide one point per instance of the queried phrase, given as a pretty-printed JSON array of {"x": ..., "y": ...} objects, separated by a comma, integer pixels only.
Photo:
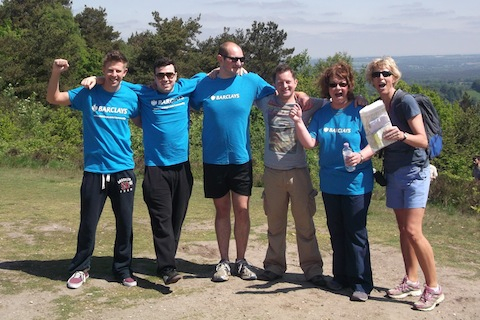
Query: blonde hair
[{"x": 383, "y": 63}]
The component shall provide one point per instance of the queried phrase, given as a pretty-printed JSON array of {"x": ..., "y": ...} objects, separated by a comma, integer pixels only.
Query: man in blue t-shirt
[
  {"x": 226, "y": 102},
  {"x": 168, "y": 181},
  {"x": 108, "y": 163}
]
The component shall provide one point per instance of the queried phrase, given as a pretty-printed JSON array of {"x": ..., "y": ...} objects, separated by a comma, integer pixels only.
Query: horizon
[{"x": 360, "y": 28}]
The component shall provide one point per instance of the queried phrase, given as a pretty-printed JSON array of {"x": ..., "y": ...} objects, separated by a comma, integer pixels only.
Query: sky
[{"x": 360, "y": 28}]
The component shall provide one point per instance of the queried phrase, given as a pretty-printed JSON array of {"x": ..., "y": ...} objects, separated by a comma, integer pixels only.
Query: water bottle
[{"x": 346, "y": 151}]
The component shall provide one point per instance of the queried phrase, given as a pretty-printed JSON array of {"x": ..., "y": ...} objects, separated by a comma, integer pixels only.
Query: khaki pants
[{"x": 282, "y": 187}]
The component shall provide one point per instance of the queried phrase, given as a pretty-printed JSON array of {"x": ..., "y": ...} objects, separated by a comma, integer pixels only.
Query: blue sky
[{"x": 358, "y": 27}]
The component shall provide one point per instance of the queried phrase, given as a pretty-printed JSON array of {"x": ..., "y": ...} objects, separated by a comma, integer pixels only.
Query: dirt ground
[{"x": 197, "y": 297}]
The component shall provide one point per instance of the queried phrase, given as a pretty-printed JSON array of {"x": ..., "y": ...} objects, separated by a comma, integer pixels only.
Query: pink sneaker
[
  {"x": 129, "y": 282},
  {"x": 77, "y": 279},
  {"x": 429, "y": 299},
  {"x": 404, "y": 289}
]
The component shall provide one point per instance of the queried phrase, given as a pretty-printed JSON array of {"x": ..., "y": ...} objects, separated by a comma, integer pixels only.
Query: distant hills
[{"x": 444, "y": 68}]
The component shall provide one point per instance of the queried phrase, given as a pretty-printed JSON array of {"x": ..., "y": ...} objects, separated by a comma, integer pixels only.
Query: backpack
[{"x": 431, "y": 121}]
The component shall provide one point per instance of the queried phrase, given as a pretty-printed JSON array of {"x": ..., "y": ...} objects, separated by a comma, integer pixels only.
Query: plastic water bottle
[{"x": 346, "y": 151}]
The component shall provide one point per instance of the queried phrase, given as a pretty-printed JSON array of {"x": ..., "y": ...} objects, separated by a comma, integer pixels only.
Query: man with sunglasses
[
  {"x": 226, "y": 101},
  {"x": 168, "y": 181}
]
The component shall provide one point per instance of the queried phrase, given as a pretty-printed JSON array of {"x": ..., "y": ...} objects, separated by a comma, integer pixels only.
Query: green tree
[
  {"x": 98, "y": 35},
  {"x": 263, "y": 48},
  {"x": 173, "y": 38},
  {"x": 476, "y": 85},
  {"x": 29, "y": 45}
]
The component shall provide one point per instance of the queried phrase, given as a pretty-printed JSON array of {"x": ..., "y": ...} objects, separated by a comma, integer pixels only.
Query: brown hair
[
  {"x": 341, "y": 70},
  {"x": 116, "y": 56}
]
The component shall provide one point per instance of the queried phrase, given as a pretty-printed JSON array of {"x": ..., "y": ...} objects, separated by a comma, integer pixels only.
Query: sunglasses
[
  {"x": 341, "y": 84},
  {"x": 235, "y": 59},
  {"x": 377, "y": 74},
  {"x": 169, "y": 75}
]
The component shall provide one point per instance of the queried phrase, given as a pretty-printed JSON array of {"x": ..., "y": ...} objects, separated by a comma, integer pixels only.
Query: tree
[
  {"x": 173, "y": 38},
  {"x": 95, "y": 30},
  {"x": 29, "y": 45},
  {"x": 263, "y": 47},
  {"x": 476, "y": 85}
]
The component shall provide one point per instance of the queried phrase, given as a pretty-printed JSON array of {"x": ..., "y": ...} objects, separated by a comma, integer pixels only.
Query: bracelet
[{"x": 361, "y": 157}]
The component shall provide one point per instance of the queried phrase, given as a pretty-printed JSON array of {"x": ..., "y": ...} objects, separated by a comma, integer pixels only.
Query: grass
[{"x": 39, "y": 216}]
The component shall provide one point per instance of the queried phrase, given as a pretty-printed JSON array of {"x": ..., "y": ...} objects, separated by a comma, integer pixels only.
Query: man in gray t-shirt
[{"x": 287, "y": 179}]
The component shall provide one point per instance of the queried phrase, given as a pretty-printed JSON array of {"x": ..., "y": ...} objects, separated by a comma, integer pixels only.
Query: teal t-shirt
[
  {"x": 106, "y": 132},
  {"x": 332, "y": 128},
  {"x": 226, "y": 107}
]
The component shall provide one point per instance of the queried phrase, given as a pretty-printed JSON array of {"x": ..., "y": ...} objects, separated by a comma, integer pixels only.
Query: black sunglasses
[
  {"x": 162, "y": 75},
  {"x": 334, "y": 85},
  {"x": 377, "y": 74},
  {"x": 235, "y": 59}
]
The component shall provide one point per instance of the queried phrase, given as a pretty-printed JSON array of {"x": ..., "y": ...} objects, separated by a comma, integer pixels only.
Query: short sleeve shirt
[
  {"x": 226, "y": 107},
  {"x": 106, "y": 131}
]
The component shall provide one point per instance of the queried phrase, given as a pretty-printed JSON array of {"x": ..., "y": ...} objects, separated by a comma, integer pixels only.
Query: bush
[{"x": 460, "y": 194}]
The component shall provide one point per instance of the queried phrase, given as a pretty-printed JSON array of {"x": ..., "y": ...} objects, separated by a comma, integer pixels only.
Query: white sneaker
[
  {"x": 244, "y": 270},
  {"x": 222, "y": 271}
]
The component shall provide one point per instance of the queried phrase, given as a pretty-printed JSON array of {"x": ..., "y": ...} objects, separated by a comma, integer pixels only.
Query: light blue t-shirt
[
  {"x": 106, "y": 133},
  {"x": 331, "y": 128},
  {"x": 226, "y": 106},
  {"x": 165, "y": 121}
]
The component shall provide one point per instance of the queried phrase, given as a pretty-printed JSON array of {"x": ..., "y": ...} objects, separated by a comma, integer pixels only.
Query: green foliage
[
  {"x": 458, "y": 194},
  {"x": 264, "y": 40},
  {"x": 29, "y": 45},
  {"x": 174, "y": 38},
  {"x": 30, "y": 130},
  {"x": 94, "y": 29},
  {"x": 476, "y": 85}
]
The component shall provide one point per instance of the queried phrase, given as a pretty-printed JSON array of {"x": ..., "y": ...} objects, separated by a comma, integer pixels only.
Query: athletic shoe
[
  {"x": 318, "y": 280},
  {"x": 77, "y": 279},
  {"x": 129, "y": 282},
  {"x": 404, "y": 289},
  {"x": 359, "y": 296},
  {"x": 268, "y": 275},
  {"x": 244, "y": 270},
  {"x": 429, "y": 299},
  {"x": 170, "y": 275},
  {"x": 222, "y": 271}
]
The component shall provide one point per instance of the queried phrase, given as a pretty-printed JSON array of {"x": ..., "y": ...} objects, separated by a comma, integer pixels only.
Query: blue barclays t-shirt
[
  {"x": 106, "y": 133},
  {"x": 165, "y": 121},
  {"x": 226, "y": 107},
  {"x": 332, "y": 128}
]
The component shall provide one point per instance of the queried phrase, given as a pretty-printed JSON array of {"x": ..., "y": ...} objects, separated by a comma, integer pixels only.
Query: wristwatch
[{"x": 404, "y": 136}]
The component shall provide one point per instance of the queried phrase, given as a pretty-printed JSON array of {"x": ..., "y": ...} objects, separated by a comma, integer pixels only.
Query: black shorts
[{"x": 219, "y": 179}]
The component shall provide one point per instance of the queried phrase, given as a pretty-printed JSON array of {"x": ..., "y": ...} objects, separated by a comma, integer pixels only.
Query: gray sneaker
[
  {"x": 429, "y": 299},
  {"x": 244, "y": 270},
  {"x": 222, "y": 271},
  {"x": 404, "y": 289}
]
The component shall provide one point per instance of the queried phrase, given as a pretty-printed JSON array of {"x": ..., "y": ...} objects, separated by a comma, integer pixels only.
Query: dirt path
[{"x": 196, "y": 297}]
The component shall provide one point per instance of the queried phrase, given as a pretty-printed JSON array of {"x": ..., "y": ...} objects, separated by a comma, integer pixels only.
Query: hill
[{"x": 445, "y": 68}]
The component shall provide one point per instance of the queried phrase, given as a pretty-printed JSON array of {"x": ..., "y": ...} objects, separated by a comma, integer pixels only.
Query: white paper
[{"x": 375, "y": 120}]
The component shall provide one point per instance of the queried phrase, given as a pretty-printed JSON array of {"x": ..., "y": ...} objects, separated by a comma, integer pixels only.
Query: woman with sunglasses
[
  {"x": 346, "y": 195},
  {"x": 407, "y": 171}
]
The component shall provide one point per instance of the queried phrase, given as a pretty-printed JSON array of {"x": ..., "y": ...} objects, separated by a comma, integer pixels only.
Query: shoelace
[{"x": 223, "y": 265}]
